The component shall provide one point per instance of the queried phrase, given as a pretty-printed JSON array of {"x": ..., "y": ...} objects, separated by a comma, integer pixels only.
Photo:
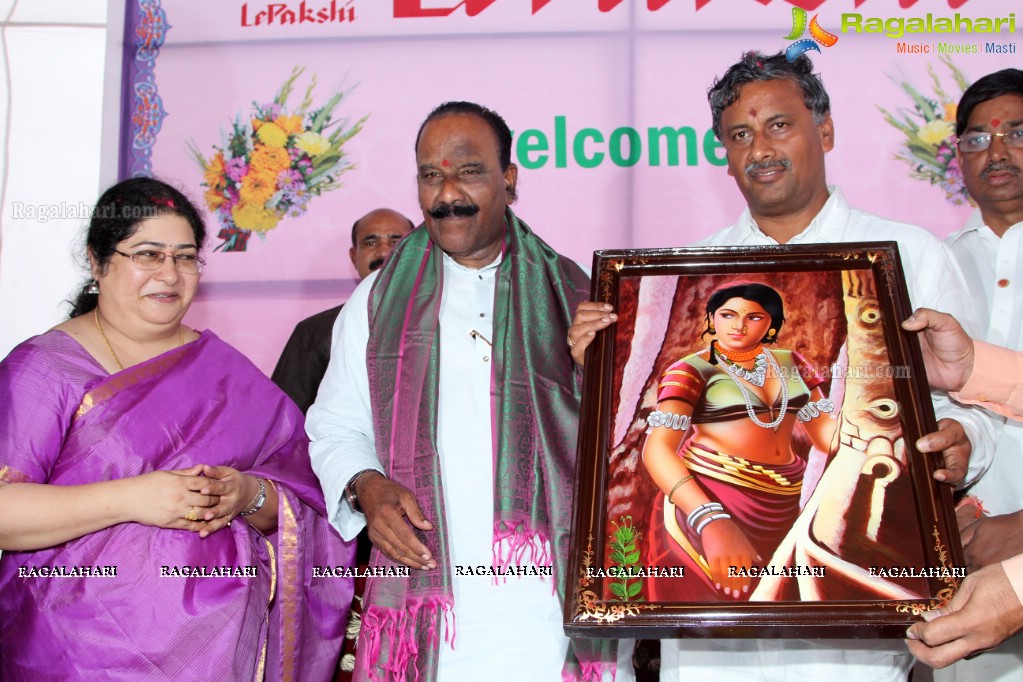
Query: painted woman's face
[{"x": 741, "y": 324}]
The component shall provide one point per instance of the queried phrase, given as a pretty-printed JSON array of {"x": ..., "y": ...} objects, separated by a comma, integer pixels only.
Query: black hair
[
  {"x": 492, "y": 118},
  {"x": 1004, "y": 82},
  {"x": 768, "y": 298},
  {"x": 756, "y": 66},
  {"x": 117, "y": 216}
]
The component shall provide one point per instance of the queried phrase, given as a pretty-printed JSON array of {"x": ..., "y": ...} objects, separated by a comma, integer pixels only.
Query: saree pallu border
[
  {"x": 128, "y": 378},
  {"x": 9, "y": 474}
]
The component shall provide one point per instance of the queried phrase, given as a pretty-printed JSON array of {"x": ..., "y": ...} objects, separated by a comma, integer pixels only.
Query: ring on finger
[
  {"x": 571, "y": 343},
  {"x": 192, "y": 515}
]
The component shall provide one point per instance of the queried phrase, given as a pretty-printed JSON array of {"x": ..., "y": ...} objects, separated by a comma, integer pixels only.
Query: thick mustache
[
  {"x": 998, "y": 168},
  {"x": 454, "y": 210},
  {"x": 374, "y": 264},
  {"x": 756, "y": 166}
]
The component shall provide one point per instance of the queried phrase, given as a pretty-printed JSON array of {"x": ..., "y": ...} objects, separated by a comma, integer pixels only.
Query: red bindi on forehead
[
  {"x": 445, "y": 163},
  {"x": 753, "y": 112},
  {"x": 995, "y": 122}
]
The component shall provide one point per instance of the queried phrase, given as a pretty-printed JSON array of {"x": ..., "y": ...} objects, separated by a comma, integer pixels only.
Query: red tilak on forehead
[
  {"x": 995, "y": 122},
  {"x": 753, "y": 112},
  {"x": 445, "y": 163}
]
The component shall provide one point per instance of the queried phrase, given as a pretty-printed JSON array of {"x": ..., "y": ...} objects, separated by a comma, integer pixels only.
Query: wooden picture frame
[{"x": 874, "y": 543}]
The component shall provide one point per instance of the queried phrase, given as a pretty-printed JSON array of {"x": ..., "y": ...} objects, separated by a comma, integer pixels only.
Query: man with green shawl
[{"x": 447, "y": 422}]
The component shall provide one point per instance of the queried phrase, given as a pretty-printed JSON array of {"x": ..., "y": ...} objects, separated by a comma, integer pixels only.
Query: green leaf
[
  {"x": 632, "y": 558},
  {"x": 635, "y": 588},
  {"x": 618, "y": 590},
  {"x": 282, "y": 94}
]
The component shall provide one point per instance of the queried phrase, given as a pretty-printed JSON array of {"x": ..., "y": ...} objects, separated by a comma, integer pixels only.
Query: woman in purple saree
[{"x": 161, "y": 517}]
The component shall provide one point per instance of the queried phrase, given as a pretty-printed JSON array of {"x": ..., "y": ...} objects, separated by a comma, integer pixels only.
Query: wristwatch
[
  {"x": 257, "y": 504},
  {"x": 353, "y": 499}
]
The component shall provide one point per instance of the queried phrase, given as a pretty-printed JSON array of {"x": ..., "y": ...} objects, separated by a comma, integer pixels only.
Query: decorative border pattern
[{"x": 145, "y": 30}]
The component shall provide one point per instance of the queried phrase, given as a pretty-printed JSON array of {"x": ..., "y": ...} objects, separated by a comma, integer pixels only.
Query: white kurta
[
  {"x": 992, "y": 267},
  {"x": 500, "y": 630},
  {"x": 933, "y": 280}
]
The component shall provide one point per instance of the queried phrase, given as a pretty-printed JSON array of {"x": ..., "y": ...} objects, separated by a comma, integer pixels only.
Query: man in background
[
  {"x": 989, "y": 249},
  {"x": 304, "y": 359}
]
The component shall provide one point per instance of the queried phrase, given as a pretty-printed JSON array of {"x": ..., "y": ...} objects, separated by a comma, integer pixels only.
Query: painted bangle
[
  {"x": 677, "y": 422},
  {"x": 706, "y": 508},
  {"x": 812, "y": 409},
  {"x": 682, "y": 481},
  {"x": 709, "y": 519}
]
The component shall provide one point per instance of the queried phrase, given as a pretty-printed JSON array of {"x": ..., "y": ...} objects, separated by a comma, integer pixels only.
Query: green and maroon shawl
[{"x": 535, "y": 407}]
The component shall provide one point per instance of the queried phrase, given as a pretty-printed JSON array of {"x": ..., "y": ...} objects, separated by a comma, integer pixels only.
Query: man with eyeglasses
[{"x": 989, "y": 126}]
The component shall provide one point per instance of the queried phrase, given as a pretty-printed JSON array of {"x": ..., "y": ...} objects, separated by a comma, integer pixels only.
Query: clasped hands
[{"x": 201, "y": 498}]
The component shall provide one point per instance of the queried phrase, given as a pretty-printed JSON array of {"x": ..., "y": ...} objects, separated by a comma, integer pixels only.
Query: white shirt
[
  {"x": 995, "y": 285},
  {"x": 933, "y": 280},
  {"x": 500, "y": 628},
  {"x": 991, "y": 266}
]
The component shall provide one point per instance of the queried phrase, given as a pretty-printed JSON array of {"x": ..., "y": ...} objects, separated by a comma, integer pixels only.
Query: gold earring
[
  {"x": 712, "y": 330},
  {"x": 771, "y": 333}
]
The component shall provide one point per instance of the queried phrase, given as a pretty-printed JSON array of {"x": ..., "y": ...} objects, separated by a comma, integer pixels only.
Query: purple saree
[{"x": 64, "y": 421}]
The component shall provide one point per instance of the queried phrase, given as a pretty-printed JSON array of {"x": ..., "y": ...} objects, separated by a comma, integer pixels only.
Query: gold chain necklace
[{"x": 95, "y": 316}]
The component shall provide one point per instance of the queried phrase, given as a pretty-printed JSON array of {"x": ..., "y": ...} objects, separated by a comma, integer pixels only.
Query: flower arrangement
[
  {"x": 929, "y": 127},
  {"x": 272, "y": 163}
]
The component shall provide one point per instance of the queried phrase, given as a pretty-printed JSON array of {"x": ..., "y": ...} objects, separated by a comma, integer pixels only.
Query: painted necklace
[
  {"x": 755, "y": 376},
  {"x": 95, "y": 316},
  {"x": 767, "y": 358},
  {"x": 739, "y": 355}
]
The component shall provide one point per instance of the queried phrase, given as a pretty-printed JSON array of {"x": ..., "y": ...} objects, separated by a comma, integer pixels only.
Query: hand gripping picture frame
[{"x": 747, "y": 465}]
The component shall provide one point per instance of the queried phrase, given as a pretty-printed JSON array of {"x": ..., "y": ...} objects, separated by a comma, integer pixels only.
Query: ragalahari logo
[{"x": 817, "y": 35}]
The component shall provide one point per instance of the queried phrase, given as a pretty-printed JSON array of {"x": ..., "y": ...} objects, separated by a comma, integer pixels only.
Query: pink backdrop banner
[{"x": 607, "y": 101}]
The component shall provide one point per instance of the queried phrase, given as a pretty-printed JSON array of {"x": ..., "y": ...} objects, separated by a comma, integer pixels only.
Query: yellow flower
[
  {"x": 257, "y": 187},
  {"x": 269, "y": 159},
  {"x": 213, "y": 173},
  {"x": 289, "y": 124},
  {"x": 312, "y": 143},
  {"x": 254, "y": 217},
  {"x": 935, "y": 132},
  {"x": 951, "y": 108},
  {"x": 272, "y": 135}
]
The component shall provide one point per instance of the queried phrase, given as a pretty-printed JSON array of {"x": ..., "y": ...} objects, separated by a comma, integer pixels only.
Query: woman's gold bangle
[{"x": 681, "y": 482}]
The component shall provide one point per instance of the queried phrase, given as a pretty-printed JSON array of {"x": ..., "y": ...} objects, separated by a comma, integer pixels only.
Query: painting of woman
[{"x": 719, "y": 447}]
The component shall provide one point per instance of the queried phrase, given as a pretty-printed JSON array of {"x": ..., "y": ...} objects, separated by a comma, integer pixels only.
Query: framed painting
[{"x": 746, "y": 462}]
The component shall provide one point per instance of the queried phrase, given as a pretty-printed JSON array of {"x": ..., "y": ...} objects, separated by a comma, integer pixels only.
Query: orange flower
[
  {"x": 269, "y": 159},
  {"x": 289, "y": 124},
  {"x": 950, "y": 111},
  {"x": 213, "y": 173},
  {"x": 214, "y": 199},
  {"x": 257, "y": 187}
]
